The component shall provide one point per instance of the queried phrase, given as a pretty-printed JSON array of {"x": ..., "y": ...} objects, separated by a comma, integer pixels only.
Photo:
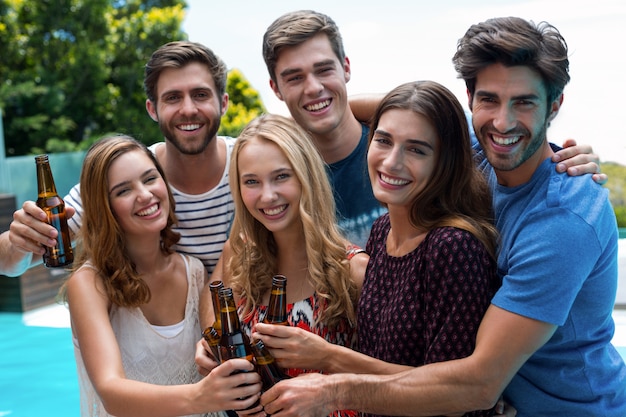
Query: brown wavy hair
[
  {"x": 457, "y": 194},
  {"x": 101, "y": 241},
  {"x": 254, "y": 257}
]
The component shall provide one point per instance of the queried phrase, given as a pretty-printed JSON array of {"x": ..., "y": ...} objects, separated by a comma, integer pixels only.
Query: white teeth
[
  {"x": 393, "y": 181},
  {"x": 274, "y": 211},
  {"x": 318, "y": 106},
  {"x": 150, "y": 210},
  {"x": 189, "y": 127},
  {"x": 506, "y": 141}
]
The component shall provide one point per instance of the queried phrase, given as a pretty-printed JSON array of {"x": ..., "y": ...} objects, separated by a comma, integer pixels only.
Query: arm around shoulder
[{"x": 472, "y": 383}]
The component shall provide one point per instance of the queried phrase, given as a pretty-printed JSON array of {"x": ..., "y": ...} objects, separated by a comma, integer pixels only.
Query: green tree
[
  {"x": 57, "y": 62},
  {"x": 72, "y": 70},
  {"x": 137, "y": 30},
  {"x": 244, "y": 104}
]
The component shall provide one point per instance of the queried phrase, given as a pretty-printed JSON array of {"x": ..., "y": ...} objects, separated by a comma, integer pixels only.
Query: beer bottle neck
[
  {"x": 230, "y": 319},
  {"x": 45, "y": 181},
  {"x": 277, "y": 307}
]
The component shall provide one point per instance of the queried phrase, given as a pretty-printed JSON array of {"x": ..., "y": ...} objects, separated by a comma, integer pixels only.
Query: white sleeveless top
[{"x": 149, "y": 354}]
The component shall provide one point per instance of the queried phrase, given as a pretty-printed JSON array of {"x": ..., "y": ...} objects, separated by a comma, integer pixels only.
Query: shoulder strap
[{"x": 353, "y": 250}]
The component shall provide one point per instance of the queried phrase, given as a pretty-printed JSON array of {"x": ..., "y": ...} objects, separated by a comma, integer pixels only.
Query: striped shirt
[{"x": 203, "y": 219}]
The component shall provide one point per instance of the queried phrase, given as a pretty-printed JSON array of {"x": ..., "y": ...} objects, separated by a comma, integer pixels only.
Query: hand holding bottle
[
  {"x": 294, "y": 347},
  {"x": 231, "y": 386},
  {"x": 30, "y": 231},
  {"x": 61, "y": 254}
]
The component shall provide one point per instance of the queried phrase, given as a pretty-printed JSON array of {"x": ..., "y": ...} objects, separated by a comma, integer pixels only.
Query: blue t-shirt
[
  {"x": 357, "y": 208},
  {"x": 558, "y": 263}
]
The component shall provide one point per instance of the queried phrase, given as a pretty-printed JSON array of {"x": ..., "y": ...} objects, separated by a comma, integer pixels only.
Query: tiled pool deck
[{"x": 38, "y": 372}]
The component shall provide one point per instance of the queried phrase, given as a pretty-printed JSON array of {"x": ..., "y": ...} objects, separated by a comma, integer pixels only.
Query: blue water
[{"x": 38, "y": 372}]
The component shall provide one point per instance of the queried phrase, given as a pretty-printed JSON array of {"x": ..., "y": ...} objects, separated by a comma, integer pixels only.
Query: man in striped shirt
[{"x": 185, "y": 84}]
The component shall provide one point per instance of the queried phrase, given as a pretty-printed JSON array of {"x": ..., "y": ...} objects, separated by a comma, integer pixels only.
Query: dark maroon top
[{"x": 425, "y": 306}]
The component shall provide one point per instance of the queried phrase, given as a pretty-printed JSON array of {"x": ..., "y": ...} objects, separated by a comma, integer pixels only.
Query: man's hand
[
  {"x": 579, "y": 160},
  {"x": 307, "y": 395},
  {"x": 30, "y": 231},
  {"x": 22, "y": 245}
]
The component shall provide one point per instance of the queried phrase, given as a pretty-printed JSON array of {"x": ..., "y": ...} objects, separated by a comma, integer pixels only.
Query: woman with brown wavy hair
[{"x": 134, "y": 302}]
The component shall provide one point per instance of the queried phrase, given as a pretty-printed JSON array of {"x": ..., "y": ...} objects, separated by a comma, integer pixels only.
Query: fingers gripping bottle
[{"x": 266, "y": 365}]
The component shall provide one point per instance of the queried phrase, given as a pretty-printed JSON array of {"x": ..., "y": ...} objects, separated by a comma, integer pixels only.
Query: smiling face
[
  {"x": 270, "y": 190},
  {"x": 311, "y": 80},
  {"x": 189, "y": 107},
  {"x": 510, "y": 114},
  {"x": 401, "y": 157},
  {"x": 137, "y": 194}
]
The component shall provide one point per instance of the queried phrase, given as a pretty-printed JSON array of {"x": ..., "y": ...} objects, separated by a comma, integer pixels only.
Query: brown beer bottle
[
  {"x": 213, "y": 339},
  {"x": 277, "y": 308},
  {"x": 233, "y": 343},
  {"x": 215, "y": 287},
  {"x": 266, "y": 365},
  {"x": 54, "y": 207}
]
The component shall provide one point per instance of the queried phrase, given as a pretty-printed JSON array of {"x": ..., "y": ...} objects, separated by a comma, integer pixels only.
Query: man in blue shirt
[{"x": 545, "y": 340}]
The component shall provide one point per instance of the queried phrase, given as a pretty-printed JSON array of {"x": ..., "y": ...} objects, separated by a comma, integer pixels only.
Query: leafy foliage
[
  {"x": 244, "y": 104},
  {"x": 72, "y": 70},
  {"x": 617, "y": 188}
]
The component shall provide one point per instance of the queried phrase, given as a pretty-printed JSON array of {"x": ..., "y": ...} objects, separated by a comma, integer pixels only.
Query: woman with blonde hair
[
  {"x": 134, "y": 302},
  {"x": 285, "y": 224}
]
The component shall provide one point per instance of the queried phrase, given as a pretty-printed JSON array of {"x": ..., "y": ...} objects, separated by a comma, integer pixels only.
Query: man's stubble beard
[
  {"x": 538, "y": 138},
  {"x": 171, "y": 137}
]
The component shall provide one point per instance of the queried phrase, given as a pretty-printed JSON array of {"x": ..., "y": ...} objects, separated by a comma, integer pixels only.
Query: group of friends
[{"x": 437, "y": 263}]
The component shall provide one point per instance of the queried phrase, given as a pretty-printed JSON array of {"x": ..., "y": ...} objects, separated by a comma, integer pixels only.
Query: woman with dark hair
[{"x": 431, "y": 273}]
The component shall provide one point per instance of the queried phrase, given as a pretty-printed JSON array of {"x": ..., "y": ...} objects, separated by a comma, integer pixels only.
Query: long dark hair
[{"x": 457, "y": 194}]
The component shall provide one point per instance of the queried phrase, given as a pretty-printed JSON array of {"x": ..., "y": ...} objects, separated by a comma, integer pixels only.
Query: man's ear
[
  {"x": 225, "y": 102},
  {"x": 555, "y": 107},
  {"x": 275, "y": 89},
  {"x": 151, "y": 109}
]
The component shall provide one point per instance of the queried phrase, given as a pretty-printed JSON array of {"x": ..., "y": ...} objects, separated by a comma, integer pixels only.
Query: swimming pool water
[{"x": 38, "y": 372}]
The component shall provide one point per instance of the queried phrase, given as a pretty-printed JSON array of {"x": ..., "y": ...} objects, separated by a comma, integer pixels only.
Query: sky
[{"x": 395, "y": 41}]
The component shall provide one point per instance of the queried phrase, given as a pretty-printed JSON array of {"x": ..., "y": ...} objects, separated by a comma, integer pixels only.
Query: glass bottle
[
  {"x": 213, "y": 339},
  {"x": 215, "y": 287},
  {"x": 277, "y": 308},
  {"x": 233, "y": 343},
  {"x": 266, "y": 365},
  {"x": 54, "y": 207}
]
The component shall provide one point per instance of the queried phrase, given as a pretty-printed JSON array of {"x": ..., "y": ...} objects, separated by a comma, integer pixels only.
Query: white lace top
[{"x": 149, "y": 355}]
